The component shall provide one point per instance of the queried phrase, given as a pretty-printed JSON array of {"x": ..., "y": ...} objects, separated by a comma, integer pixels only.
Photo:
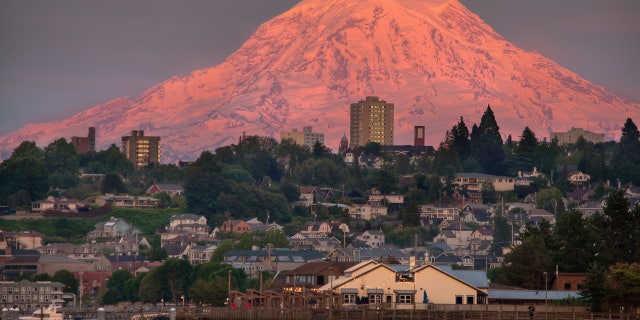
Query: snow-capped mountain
[{"x": 434, "y": 59}]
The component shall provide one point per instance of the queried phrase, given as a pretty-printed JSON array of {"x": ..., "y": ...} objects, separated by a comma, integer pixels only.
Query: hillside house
[{"x": 171, "y": 189}]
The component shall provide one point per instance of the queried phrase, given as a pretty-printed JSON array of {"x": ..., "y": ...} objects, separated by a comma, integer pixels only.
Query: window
[
  {"x": 349, "y": 298},
  {"x": 470, "y": 299},
  {"x": 567, "y": 286},
  {"x": 458, "y": 299},
  {"x": 405, "y": 298},
  {"x": 375, "y": 298}
]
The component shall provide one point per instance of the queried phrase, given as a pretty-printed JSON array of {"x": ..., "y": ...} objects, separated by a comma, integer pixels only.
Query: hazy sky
[{"x": 62, "y": 57}]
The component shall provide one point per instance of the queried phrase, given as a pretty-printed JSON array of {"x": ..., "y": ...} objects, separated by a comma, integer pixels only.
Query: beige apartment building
[
  {"x": 572, "y": 136},
  {"x": 371, "y": 121},
  {"x": 306, "y": 137}
]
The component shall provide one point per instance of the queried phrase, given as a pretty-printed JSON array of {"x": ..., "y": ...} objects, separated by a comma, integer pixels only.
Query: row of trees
[{"x": 605, "y": 246}]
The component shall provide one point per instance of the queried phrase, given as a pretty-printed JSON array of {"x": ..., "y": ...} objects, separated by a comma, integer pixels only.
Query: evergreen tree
[
  {"x": 525, "y": 152},
  {"x": 486, "y": 144},
  {"x": 629, "y": 146},
  {"x": 460, "y": 140}
]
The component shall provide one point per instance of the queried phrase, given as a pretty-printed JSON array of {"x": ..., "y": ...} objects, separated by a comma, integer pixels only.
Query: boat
[{"x": 52, "y": 312}]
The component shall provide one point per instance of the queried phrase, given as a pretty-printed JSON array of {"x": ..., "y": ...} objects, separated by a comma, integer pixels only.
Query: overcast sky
[{"x": 62, "y": 57}]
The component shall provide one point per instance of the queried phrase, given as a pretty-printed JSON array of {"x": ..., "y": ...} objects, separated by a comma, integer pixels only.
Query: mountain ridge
[{"x": 435, "y": 60}]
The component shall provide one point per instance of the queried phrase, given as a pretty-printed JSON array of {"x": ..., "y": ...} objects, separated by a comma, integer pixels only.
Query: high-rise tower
[
  {"x": 140, "y": 149},
  {"x": 371, "y": 121}
]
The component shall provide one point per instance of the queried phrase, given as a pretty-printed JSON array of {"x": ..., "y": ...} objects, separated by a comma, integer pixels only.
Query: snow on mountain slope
[{"x": 434, "y": 59}]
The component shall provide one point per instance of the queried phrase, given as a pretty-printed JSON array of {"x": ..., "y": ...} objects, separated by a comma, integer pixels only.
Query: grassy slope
[{"x": 74, "y": 230}]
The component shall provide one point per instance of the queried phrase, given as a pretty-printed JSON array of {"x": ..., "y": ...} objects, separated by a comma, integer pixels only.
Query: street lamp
[
  {"x": 546, "y": 293},
  {"x": 229, "y": 287},
  {"x": 81, "y": 287},
  {"x": 331, "y": 284}
]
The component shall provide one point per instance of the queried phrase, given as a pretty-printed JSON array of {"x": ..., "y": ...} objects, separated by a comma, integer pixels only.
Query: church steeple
[{"x": 344, "y": 145}]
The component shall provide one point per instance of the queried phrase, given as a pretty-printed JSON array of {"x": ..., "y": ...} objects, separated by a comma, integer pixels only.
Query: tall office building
[
  {"x": 85, "y": 144},
  {"x": 304, "y": 138},
  {"x": 140, "y": 149},
  {"x": 371, "y": 121}
]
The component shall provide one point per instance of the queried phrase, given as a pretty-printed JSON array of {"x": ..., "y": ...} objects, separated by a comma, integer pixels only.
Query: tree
[
  {"x": 622, "y": 285},
  {"x": 61, "y": 161},
  {"x": 501, "y": 234},
  {"x": 319, "y": 150},
  {"x": 209, "y": 292},
  {"x": 574, "y": 239},
  {"x": 111, "y": 183},
  {"x": 486, "y": 144},
  {"x": 618, "y": 230},
  {"x": 628, "y": 149},
  {"x": 24, "y": 170},
  {"x": 203, "y": 183},
  {"x": 176, "y": 273},
  {"x": 460, "y": 140},
  {"x": 525, "y": 152},
  {"x": 276, "y": 238},
  {"x": 116, "y": 287},
  {"x": 246, "y": 242},
  {"x": 525, "y": 264},
  {"x": 110, "y": 161},
  {"x": 551, "y": 200},
  {"x": 593, "y": 290},
  {"x": 151, "y": 286},
  {"x": 218, "y": 254},
  {"x": 67, "y": 278},
  {"x": 290, "y": 191}
]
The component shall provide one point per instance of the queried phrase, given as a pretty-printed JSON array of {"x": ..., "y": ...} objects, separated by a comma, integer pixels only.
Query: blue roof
[{"x": 476, "y": 278}]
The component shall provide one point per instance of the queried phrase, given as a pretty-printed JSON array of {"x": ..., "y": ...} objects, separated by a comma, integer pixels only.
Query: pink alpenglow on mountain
[{"x": 434, "y": 59}]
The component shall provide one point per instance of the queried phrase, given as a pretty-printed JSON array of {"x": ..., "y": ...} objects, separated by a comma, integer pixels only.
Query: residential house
[
  {"x": 578, "y": 178},
  {"x": 406, "y": 287},
  {"x": 114, "y": 228},
  {"x": 255, "y": 261},
  {"x": 372, "y": 238},
  {"x": 235, "y": 226},
  {"x": 21, "y": 240},
  {"x": 315, "y": 274},
  {"x": 59, "y": 204},
  {"x": 306, "y": 196},
  {"x": 200, "y": 254},
  {"x": 461, "y": 197},
  {"x": 125, "y": 201},
  {"x": 456, "y": 235},
  {"x": 367, "y": 211},
  {"x": 476, "y": 181},
  {"x": 434, "y": 212},
  {"x": 580, "y": 195},
  {"x": 257, "y": 225},
  {"x": 364, "y": 254},
  {"x": 377, "y": 198},
  {"x": 314, "y": 242},
  {"x": 535, "y": 214},
  {"x": 189, "y": 223},
  {"x": 171, "y": 189},
  {"x": 316, "y": 229}
]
